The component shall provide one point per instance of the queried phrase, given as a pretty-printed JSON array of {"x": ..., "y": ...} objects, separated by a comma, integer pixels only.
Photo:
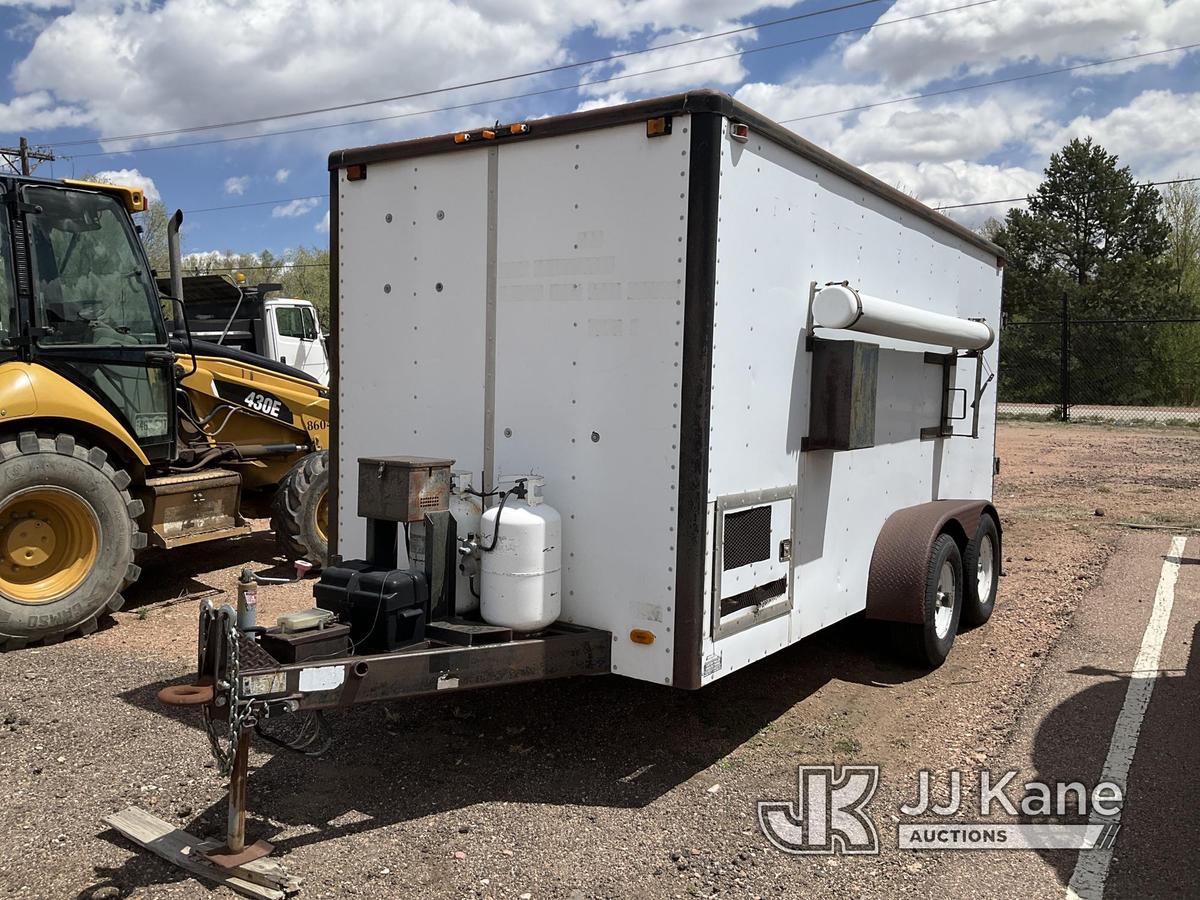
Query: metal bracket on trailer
[{"x": 948, "y": 362}]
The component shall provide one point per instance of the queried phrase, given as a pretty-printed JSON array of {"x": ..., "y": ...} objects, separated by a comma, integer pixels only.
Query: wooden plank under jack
[{"x": 261, "y": 879}]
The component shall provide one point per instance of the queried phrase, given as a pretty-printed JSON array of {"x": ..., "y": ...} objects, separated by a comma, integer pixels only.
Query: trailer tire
[
  {"x": 68, "y": 534},
  {"x": 929, "y": 643},
  {"x": 981, "y": 568},
  {"x": 299, "y": 511}
]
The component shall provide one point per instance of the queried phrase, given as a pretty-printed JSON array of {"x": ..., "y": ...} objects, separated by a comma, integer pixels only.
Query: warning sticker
[{"x": 322, "y": 678}]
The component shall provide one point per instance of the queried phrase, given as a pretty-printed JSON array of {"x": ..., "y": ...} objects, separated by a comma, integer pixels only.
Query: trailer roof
[{"x": 675, "y": 104}]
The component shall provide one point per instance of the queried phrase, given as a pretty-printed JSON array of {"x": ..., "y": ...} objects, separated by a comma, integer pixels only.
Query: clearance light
[
  {"x": 461, "y": 138},
  {"x": 739, "y": 131},
  {"x": 658, "y": 127},
  {"x": 356, "y": 172},
  {"x": 239, "y": 277},
  {"x": 520, "y": 128},
  {"x": 641, "y": 636},
  {"x": 488, "y": 134}
]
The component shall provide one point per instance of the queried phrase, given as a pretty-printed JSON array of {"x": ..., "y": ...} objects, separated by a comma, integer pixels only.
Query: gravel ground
[{"x": 588, "y": 788}]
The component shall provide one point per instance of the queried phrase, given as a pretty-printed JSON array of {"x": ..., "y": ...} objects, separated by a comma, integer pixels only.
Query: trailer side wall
[{"x": 785, "y": 222}]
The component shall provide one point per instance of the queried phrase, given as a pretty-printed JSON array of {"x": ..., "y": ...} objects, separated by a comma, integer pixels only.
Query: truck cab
[{"x": 227, "y": 311}]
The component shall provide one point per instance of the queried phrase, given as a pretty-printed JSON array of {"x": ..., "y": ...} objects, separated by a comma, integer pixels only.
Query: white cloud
[
  {"x": 131, "y": 178},
  {"x": 958, "y": 181},
  {"x": 294, "y": 208},
  {"x": 281, "y": 175},
  {"x": 236, "y": 186},
  {"x": 984, "y": 39},
  {"x": 806, "y": 96},
  {"x": 144, "y": 67},
  {"x": 39, "y": 110},
  {"x": 1157, "y": 134},
  {"x": 719, "y": 72},
  {"x": 323, "y": 225},
  {"x": 942, "y": 130},
  {"x": 614, "y": 99}
]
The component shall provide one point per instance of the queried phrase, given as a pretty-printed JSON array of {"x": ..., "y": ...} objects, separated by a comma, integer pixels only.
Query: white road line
[{"x": 1091, "y": 869}]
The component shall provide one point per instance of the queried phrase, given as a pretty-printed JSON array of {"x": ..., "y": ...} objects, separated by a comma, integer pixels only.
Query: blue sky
[{"x": 81, "y": 71}]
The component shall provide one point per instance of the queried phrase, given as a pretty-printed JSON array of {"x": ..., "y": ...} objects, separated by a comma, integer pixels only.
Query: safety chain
[{"x": 238, "y": 718}]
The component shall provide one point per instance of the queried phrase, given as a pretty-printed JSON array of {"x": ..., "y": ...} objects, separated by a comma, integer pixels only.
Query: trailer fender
[{"x": 899, "y": 563}]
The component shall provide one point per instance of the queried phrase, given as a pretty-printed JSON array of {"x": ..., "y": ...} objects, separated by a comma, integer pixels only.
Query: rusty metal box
[
  {"x": 845, "y": 376},
  {"x": 402, "y": 488}
]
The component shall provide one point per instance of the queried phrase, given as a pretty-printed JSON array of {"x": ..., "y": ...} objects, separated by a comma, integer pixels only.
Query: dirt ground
[{"x": 587, "y": 788}]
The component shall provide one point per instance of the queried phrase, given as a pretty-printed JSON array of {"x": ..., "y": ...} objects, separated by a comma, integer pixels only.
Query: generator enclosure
[{"x": 620, "y": 300}]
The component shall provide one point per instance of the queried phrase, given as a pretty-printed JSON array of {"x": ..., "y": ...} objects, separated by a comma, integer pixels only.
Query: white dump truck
[{"x": 655, "y": 390}]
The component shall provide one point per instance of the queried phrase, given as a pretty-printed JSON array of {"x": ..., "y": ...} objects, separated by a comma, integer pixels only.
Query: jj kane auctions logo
[{"x": 829, "y": 814}]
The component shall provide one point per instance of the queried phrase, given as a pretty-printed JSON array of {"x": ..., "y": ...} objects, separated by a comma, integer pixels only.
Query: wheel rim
[
  {"x": 985, "y": 571},
  {"x": 322, "y": 516},
  {"x": 49, "y": 542},
  {"x": 943, "y": 611}
]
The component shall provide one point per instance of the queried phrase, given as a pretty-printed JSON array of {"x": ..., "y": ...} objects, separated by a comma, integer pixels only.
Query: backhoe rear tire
[
  {"x": 299, "y": 510},
  {"x": 68, "y": 534}
]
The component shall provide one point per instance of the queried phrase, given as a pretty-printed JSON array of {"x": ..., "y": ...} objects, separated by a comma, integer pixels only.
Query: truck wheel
[
  {"x": 68, "y": 532},
  {"x": 929, "y": 643},
  {"x": 300, "y": 510},
  {"x": 981, "y": 565}
]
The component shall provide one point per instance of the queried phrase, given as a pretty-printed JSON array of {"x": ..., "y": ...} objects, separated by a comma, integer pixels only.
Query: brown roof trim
[{"x": 675, "y": 104}]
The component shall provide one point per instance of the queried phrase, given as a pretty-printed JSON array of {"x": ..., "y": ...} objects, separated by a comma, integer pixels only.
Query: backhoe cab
[{"x": 115, "y": 436}]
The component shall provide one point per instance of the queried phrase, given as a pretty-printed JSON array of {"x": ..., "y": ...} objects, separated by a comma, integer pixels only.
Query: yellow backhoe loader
[{"x": 118, "y": 430}]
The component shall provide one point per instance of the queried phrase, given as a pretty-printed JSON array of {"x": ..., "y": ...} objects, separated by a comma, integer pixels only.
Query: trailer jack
[{"x": 228, "y": 719}]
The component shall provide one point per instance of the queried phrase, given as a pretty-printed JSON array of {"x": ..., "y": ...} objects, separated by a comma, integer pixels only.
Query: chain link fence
[{"x": 1129, "y": 371}]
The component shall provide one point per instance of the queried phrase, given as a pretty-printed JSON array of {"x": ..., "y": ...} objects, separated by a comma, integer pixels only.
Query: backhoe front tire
[
  {"x": 68, "y": 534},
  {"x": 299, "y": 511}
]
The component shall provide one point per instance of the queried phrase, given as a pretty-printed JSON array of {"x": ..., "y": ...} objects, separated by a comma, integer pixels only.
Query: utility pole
[{"x": 18, "y": 158}]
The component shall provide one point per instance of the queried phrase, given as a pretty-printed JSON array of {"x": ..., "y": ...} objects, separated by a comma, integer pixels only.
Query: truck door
[
  {"x": 298, "y": 339},
  {"x": 96, "y": 317}
]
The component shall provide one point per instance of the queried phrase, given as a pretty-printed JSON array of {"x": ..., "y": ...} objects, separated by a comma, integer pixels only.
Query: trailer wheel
[
  {"x": 929, "y": 643},
  {"x": 300, "y": 510},
  {"x": 981, "y": 566},
  {"x": 68, "y": 532}
]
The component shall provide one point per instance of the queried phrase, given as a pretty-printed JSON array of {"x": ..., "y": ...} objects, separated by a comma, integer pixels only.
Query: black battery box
[
  {"x": 386, "y": 609},
  {"x": 313, "y": 643}
]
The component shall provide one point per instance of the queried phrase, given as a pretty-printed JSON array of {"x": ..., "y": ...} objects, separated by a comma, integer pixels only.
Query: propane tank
[
  {"x": 466, "y": 508},
  {"x": 520, "y": 543}
]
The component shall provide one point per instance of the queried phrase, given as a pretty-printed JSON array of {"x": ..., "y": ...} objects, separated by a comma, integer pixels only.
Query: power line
[
  {"x": 255, "y": 203},
  {"x": 542, "y": 92},
  {"x": 1026, "y": 198},
  {"x": 471, "y": 84},
  {"x": 983, "y": 84}
]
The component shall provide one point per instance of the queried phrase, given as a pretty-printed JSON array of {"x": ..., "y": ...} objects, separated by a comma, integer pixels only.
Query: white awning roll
[{"x": 839, "y": 306}]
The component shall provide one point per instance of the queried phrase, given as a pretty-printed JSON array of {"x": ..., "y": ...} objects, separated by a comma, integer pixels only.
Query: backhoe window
[{"x": 92, "y": 284}]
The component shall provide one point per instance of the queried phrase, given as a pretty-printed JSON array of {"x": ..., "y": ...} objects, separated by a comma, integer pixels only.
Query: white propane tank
[
  {"x": 521, "y": 583},
  {"x": 467, "y": 510}
]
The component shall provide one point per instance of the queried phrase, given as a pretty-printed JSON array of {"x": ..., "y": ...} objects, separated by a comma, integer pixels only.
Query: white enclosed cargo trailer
[
  {"x": 754, "y": 378},
  {"x": 732, "y": 390}
]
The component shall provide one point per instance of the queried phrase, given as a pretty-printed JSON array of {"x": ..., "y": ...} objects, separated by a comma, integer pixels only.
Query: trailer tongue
[{"x": 405, "y": 621}]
